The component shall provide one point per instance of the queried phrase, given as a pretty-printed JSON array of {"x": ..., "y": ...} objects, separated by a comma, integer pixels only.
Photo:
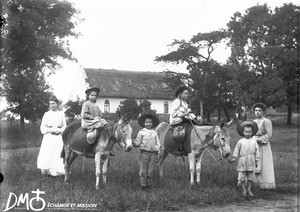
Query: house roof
[{"x": 125, "y": 84}]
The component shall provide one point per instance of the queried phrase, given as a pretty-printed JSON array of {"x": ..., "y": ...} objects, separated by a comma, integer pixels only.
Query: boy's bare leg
[
  {"x": 244, "y": 188},
  {"x": 249, "y": 189}
]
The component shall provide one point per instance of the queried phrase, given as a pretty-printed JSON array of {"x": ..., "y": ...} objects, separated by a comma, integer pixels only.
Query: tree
[
  {"x": 32, "y": 102},
  {"x": 145, "y": 107},
  {"x": 32, "y": 41},
  {"x": 129, "y": 107},
  {"x": 268, "y": 44},
  {"x": 196, "y": 53},
  {"x": 74, "y": 107}
]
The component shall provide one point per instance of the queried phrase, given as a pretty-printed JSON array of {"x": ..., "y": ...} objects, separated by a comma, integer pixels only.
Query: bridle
[
  {"x": 210, "y": 136},
  {"x": 111, "y": 132}
]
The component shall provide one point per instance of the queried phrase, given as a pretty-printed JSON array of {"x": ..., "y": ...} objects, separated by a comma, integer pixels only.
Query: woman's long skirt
[{"x": 49, "y": 160}]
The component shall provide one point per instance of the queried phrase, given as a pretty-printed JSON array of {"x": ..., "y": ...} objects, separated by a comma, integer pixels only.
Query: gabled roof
[{"x": 125, "y": 84}]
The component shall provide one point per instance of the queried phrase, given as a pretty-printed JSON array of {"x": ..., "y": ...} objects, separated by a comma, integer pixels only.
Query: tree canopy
[
  {"x": 34, "y": 37},
  {"x": 130, "y": 108},
  {"x": 196, "y": 53},
  {"x": 267, "y": 42}
]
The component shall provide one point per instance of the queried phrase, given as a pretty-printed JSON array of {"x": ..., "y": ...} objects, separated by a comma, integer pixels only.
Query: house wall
[{"x": 157, "y": 104}]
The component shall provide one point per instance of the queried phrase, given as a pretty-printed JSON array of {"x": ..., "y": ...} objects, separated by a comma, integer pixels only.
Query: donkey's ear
[
  {"x": 233, "y": 122},
  {"x": 223, "y": 123}
]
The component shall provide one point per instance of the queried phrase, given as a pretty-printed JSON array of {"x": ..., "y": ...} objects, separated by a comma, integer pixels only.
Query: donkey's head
[{"x": 123, "y": 133}]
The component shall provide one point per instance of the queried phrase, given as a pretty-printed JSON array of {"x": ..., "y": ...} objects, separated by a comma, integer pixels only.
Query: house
[{"x": 117, "y": 85}]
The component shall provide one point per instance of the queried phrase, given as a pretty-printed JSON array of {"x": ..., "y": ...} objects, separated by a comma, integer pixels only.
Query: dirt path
[{"x": 286, "y": 204}]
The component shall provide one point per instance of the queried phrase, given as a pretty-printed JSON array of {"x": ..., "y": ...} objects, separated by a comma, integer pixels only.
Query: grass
[
  {"x": 122, "y": 192},
  {"x": 14, "y": 137}
]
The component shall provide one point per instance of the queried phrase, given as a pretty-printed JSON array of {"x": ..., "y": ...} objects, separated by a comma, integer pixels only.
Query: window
[
  {"x": 106, "y": 106},
  {"x": 166, "y": 107}
]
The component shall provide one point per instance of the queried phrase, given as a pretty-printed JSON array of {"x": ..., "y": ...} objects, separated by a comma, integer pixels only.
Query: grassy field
[{"x": 122, "y": 193}]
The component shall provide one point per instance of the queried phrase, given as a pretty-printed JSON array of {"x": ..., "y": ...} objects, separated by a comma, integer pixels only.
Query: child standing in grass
[
  {"x": 148, "y": 142},
  {"x": 248, "y": 152}
]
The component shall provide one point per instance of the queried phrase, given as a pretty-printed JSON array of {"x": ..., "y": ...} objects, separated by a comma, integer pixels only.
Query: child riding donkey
[
  {"x": 91, "y": 114},
  {"x": 181, "y": 119}
]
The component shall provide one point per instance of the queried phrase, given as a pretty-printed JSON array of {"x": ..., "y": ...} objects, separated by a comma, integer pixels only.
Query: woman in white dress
[
  {"x": 52, "y": 127},
  {"x": 265, "y": 170}
]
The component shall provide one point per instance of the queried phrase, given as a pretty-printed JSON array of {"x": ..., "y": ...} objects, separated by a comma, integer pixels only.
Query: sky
[{"x": 129, "y": 34}]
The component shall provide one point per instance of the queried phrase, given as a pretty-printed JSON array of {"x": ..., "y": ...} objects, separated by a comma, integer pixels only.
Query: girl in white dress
[{"x": 52, "y": 127}]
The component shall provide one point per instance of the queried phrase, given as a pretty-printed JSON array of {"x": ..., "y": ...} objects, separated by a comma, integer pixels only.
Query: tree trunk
[
  {"x": 289, "y": 115},
  {"x": 22, "y": 121},
  {"x": 219, "y": 114},
  {"x": 227, "y": 114},
  {"x": 201, "y": 110},
  {"x": 208, "y": 116}
]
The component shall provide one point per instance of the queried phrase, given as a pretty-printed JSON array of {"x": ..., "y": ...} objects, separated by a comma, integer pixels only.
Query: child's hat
[
  {"x": 54, "y": 99},
  {"x": 97, "y": 90},
  {"x": 142, "y": 118},
  {"x": 241, "y": 126},
  {"x": 180, "y": 89}
]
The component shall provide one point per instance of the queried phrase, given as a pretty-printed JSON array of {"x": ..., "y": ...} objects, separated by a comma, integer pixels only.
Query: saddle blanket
[
  {"x": 172, "y": 146},
  {"x": 80, "y": 145}
]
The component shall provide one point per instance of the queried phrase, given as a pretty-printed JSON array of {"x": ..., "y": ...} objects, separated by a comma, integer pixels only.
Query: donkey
[
  {"x": 75, "y": 143},
  {"x": 217, "y": 137}
]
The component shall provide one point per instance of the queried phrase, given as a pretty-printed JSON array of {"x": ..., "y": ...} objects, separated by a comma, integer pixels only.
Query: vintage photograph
[{"x": 149, "y": 105}]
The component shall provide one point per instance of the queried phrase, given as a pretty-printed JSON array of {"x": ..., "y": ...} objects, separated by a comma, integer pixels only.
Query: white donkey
[{"x": 201, "y": 137}]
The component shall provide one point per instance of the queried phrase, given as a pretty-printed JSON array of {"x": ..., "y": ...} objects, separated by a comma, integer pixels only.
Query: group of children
[{"x": 246, "y": 150}]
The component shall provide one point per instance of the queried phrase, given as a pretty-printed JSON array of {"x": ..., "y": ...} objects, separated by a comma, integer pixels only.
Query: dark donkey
[{"x": 75, "y": 143}]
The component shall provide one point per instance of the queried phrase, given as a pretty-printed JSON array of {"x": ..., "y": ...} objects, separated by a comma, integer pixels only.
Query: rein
[
  {"x": 111, "y": 131},
  {"x": 207, "y": 139}
]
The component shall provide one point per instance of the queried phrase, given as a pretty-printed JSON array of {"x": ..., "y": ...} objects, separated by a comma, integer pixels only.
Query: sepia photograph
[{"x": 149, "y": 105}]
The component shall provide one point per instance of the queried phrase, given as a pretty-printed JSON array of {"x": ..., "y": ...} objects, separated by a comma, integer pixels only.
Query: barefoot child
[
  {"x": 248, "y": 152},
  {"x": 148, "y": 142}
]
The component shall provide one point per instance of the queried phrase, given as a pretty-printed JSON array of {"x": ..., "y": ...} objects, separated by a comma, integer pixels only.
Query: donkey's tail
[{"x": 63, "y": 153}]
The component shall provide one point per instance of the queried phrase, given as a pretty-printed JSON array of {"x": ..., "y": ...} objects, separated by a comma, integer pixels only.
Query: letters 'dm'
[{"x": 24, "y": 199}]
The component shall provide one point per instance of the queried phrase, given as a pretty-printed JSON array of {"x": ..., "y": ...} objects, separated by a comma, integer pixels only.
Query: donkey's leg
[
  {"x": 67, "y": 162},
  {"x": 66, "y": 165},
  {"x": 105, "y": 160},
  {"x": 198, "y": 167},
  {"x": 69, "y": 158},
  {"x": 98, "y": 168},
  {"x": 192, "y": 167},
  {"x": 162, "y": 157}
]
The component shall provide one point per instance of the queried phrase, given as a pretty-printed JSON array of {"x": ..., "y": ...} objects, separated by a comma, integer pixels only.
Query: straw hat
[
  {"x": 142, "y": 118},
  {"x": 242, "y": 125},
  {"x": 180, "y": 90},
  {"x": 54, "y": 99},
  {"x": 97, "y": 90}
]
